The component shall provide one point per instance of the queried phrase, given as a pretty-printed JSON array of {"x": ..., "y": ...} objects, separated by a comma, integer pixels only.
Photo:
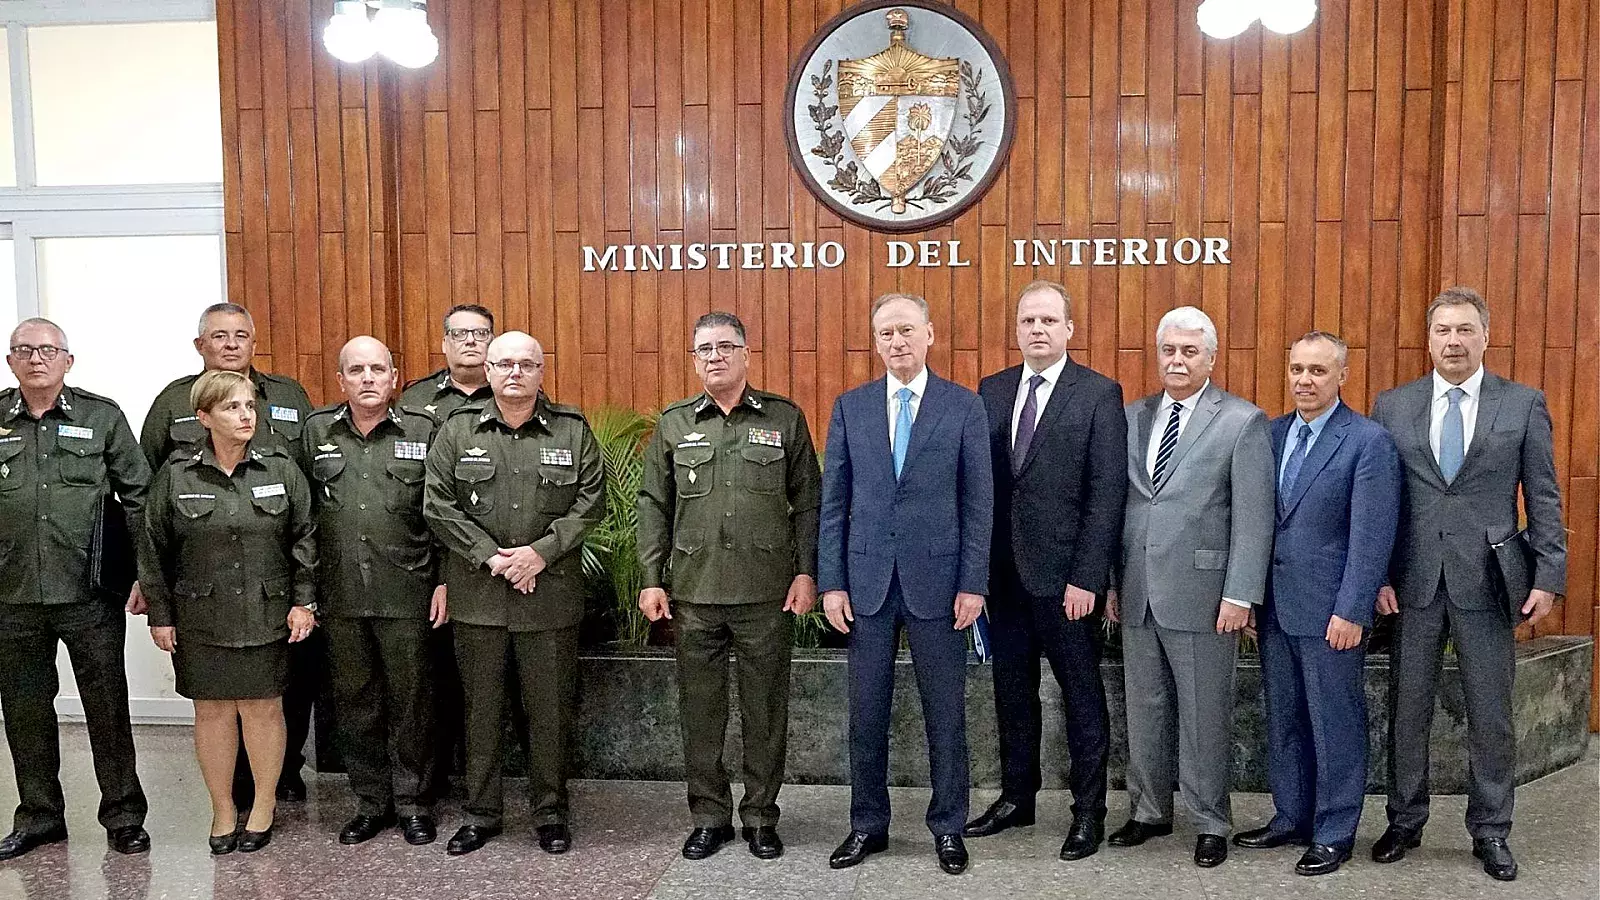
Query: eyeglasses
[
  {"x": 507, "y": 366},
  {"x": 709, "y": 352},
  {"x": 25, "y": 352},
  {"x": 460, "y": 335}
]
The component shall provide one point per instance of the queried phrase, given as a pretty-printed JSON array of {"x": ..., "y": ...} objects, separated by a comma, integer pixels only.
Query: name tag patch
[
  {"x": 268, "y": 490},
  {"x": 766, "y": 438},
  {"x": 285, "y": 413},
  {"x": 321, "y": 456},
  {"x": 74, "y": 431},
  {"x": 555, "y": 456},
  {"x": 182, "y": 419},
  {"x": 199, "y": 496},
  {"x": 10, "y": 440},
  {"x": 410, "y": 449}
]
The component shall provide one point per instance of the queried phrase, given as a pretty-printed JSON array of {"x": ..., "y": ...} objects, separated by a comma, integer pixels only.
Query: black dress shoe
[
  {"x": 1083, "y": 839},
  {"x": 1393, "y": 844},
  {"x": 129, "y": 839},
  {"x": 1210, "y": 850},
  {"x": 1320, "y": 859},
  {"x": 291, "y": 788},
  {"x": 223, "y": 844},
  {"x": 1497, "y": 858},
  {"x": 1002, "y": 814},
  {"x": 418, "y": 830},
  {"x": 1266, "y": 838},
  {"x": 554, "y": 838},
  {"x": 952, "y": 853},
  {"x": 19, "y": 842},
  {"x": 469, "y": 838},
  {"x": 764, "y": 841},
  {"x": 856, "y": 847},
  {"x": 1136, "y": 832},
  {"x": 364, "y": 828},
  {"x": 251, "y": 841},
  {"x": 703, "y": 842}
]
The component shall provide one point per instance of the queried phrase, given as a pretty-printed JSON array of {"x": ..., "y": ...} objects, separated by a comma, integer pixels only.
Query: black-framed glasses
[
  {"x": 460, "y": 335},
  {"x": 709, "y": 352},
  {"x": 25, "y": 352},
  {"x": 507, "y": 366}
]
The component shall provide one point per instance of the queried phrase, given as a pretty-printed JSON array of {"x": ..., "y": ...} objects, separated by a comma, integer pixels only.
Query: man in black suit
[{"x": 1058, "y": 446}]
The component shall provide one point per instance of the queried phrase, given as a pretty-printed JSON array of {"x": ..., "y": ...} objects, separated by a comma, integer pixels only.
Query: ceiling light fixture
[
  {"x": 1223, "y": 19},
  {"x": 399, "y": 31}
]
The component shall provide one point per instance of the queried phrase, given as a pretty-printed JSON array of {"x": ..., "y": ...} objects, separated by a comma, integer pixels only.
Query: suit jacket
[
  {"x": 1448, "y": 527},
  {"x": 933, "y": 524},
  {"x": 1336, "y": 525},
  {"x": 1206, "y": 532},
  {"x": 1057, "y": 521}
]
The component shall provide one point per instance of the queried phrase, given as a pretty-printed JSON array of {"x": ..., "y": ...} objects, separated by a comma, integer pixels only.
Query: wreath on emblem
[{"x": 955, "y": 160}]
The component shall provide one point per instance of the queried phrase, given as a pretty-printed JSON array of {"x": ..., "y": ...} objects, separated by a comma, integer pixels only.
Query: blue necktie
[
  {"x": 1297, "y": 458},
  {"x": 1452, "y": 436},
  {"x": 902, "y": 429}
]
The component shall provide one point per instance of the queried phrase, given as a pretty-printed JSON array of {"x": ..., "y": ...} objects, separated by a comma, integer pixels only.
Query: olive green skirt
[{"x": 206, "y": 672}]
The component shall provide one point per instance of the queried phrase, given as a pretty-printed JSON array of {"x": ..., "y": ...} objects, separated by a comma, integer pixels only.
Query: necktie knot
[
  {"x": 1455, "y": 394},
  {"x": 1305, "y": 431},
  {"x": 903, "y": 395},
  {"x": 1034, "y": 382}
]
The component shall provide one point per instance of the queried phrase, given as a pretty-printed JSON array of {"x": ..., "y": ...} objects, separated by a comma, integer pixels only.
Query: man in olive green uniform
[
  {"x": 728, "y": 520},
  {"x": 227, "y": 340},
  {"x": 62, "y": 451},
  {"x": 381, "y": 594},
  {"x": 512, "y": 489}
]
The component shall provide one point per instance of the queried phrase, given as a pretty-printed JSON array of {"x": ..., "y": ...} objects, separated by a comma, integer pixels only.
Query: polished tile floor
[{"x": 627, "y": 837}]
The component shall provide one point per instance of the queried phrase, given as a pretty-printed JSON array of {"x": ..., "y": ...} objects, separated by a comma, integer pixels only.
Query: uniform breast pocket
[
  {"x": 11, "y": 474},
  {"x": 275, "y": 504},
  {"x": 405, "y": 486},
  {"x": 290, "y": 431},
  {"x": 475, "y": 486},
  {"x": 763, "y": 468},
  {"x": 194, "y": 505},
  {"x": 325, "y": 471},
  {"x": 82, "y": 462},
  {"x": 558, "y": 489},
  {"x": 694, "y": 471}
]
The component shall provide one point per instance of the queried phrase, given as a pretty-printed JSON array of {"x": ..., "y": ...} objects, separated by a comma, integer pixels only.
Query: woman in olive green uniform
[{"x": 227, "y": 564}]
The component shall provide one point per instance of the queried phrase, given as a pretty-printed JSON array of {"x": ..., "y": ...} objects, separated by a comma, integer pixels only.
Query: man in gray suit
[
  {"x": 1196, "y": 545},
  {"x": 1468, "y": 439}
]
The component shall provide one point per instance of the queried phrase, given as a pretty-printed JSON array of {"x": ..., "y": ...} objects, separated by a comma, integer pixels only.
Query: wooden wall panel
[{"x": 1395, "y": 147}]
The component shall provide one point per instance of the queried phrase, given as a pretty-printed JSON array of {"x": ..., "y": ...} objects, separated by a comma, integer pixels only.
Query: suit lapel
[
  {"x": 929, "y": 411},
  {"x": 878, "y": 430},
  {"x": 1140, "y": 451},
  {"x": 1052, "y": 409},
  {"x": 1490, "y": 392},
  {"x": 1322, "y": 451},
  {"x": 1421, "y": 419},
  {"x": 1199, "y": 420}
]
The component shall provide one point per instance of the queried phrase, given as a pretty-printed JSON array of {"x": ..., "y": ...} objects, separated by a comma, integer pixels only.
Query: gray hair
[
  {"x": 1189, "y": 318},
  {"x": 717, "y": 319},
  {"x": 1461, "y": 296},
  {"x": 1341, "y": 348},
  {"x": 224, "y": 309},
  {"x": 892, "y": 296},
  {"x": 38, "y": 321}
]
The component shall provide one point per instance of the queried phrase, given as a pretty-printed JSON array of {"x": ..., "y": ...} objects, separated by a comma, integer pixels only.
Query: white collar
[
  {"x": 1472, "y": 386},
  {"x": 1051, "y": 374},
  {"x": 1189, "y": 404},
  {"x": 918, "y": 385}
]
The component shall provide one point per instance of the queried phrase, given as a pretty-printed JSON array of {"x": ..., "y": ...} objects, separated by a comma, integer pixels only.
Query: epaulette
[
  {"x": 471, "y": 407},
  {"x": 330, "y": 409},
  {"x": 426, "y": 378},
  {"x": 685, "y": 402},
  {"x": 418, "y": 412},
  {"x": 562, "y": 409},
  {"x": 91, "y": 395},
  {"x": 767, "y": 396}
]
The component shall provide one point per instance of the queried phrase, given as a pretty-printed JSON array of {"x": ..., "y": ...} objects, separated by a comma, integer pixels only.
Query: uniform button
[
  {"x": 236, "y": 565},
  {"x": 366, "y": 565},
  {"x": 43, "y": 517},
  {"x": 516, "y": 471},
  {"x": 233, "y": 537},
  {"x": 363, "y": 506},
  {"x": 363, "y": 475},
  {"x": 44, "y": 456},
  {"x": 366, "y": 449},
  {"x": 516, "y": 506},
  {"x": 728, "y": 545},
  {"x": 728, "y": 483},
  {"x": 728, "y": 514},
  {"x": 363, "y": 538},
  {"x": 238, "y": 590},
  {"x": 44, "y": 484}
]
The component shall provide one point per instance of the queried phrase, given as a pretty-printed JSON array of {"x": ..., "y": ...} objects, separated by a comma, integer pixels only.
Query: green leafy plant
[{"x": 610, "y": 555}]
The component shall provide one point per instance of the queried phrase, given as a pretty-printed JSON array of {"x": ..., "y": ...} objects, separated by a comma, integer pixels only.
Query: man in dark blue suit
[
  {"x": 1338, "y": 507},
  {"x": 907, "y": 510}
]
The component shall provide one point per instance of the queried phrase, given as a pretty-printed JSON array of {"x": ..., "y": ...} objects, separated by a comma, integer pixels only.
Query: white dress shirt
[
  {"x": 1473, "y": 387},
  {"x": 1041, "y": 396},
  {"x": 918, "y": 385},
  {"x": 1159, "y": 425}
]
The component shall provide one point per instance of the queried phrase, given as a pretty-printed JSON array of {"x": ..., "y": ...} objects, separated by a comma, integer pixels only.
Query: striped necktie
[{"x": 1169, "y": 443}]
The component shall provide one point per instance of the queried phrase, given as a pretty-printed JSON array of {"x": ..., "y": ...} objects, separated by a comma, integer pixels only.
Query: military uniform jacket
[
  {"x": 437, "y": 396},
  {"x": 172, "y": 424},
  {"x": 55, "y": 472},
  {"x": 376, "y": 554},
  {"x": 490, "y": 486},
  {"x": 728, "y": 505},
  {"x": 223, "y": 557}
]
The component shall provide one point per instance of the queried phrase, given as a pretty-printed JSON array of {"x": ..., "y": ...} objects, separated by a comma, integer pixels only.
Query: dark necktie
[
  {"x": 1291, "y": 469},
  {"x": 1026, "y": 424},
  {"x": 1169, "y": 443}
]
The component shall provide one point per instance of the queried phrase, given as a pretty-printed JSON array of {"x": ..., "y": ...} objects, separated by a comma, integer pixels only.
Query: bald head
[
  {"x": 367, "y": 376},
  {"x": 516, "y": 367},
  {"x": 366, "y": 346}
]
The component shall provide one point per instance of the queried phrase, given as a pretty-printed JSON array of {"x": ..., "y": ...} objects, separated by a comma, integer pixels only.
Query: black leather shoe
[
  {"x": 19, "y": 842},
  {"x": 223, "y": 844},
  {"x": 364, "y": 828},
  {"x": 129, "y": 839},
  {"x": 703, "y": 842},
  {"x": 251, "y": 841},
  {"x": 554, "y": 838},
  {"x": 856, "y": 847},
  {"x": 952, "y": 853},
  {"x": 1136, "y": 832},
  {"x": 1320, "y": 859},
  {"x": 291, "y": 788},
  {"x": 418, "y": 830},
  {"x": 1000, "y": 815},
  {"x": 1210, "y": 850},
  {"x": 1265, "y": 838},
  {"x": 764, "y": 841},
  {"x": 469, "y": 838},
  {"x": 1083, "y": 839},
  {"x": 1497, "y": 858},
  {"x": 1393, "y": 844}
]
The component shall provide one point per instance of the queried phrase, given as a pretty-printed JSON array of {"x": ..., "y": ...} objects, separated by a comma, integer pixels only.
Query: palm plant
[{"x": 610, "y": 554}]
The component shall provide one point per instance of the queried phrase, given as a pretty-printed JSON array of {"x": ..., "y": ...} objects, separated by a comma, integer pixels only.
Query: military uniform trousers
[
  {"x": 759, "y": 636},
  {"x": 545, "y": 665},
  {"x": 381, "y": 695},
  {"x": 93, "y": 633}
]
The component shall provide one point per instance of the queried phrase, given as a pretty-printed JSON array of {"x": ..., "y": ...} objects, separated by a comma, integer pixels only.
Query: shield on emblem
[{"x": 898, "y": 106}]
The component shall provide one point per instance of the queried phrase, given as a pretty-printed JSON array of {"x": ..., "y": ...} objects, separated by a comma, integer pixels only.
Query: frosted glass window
[
  {"x": 126, "y": 104},
  {"x": 130, "y": 306},
  {"x": 8, "y": 151}
]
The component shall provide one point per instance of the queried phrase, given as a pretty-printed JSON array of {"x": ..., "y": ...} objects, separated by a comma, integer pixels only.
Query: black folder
[
  {"x": 111, "y": 561},
  {"x": 1513, "y": 558}
]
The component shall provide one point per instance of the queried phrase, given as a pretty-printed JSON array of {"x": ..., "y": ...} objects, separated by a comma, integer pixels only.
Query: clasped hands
[{"x": 519, "y": 565}]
